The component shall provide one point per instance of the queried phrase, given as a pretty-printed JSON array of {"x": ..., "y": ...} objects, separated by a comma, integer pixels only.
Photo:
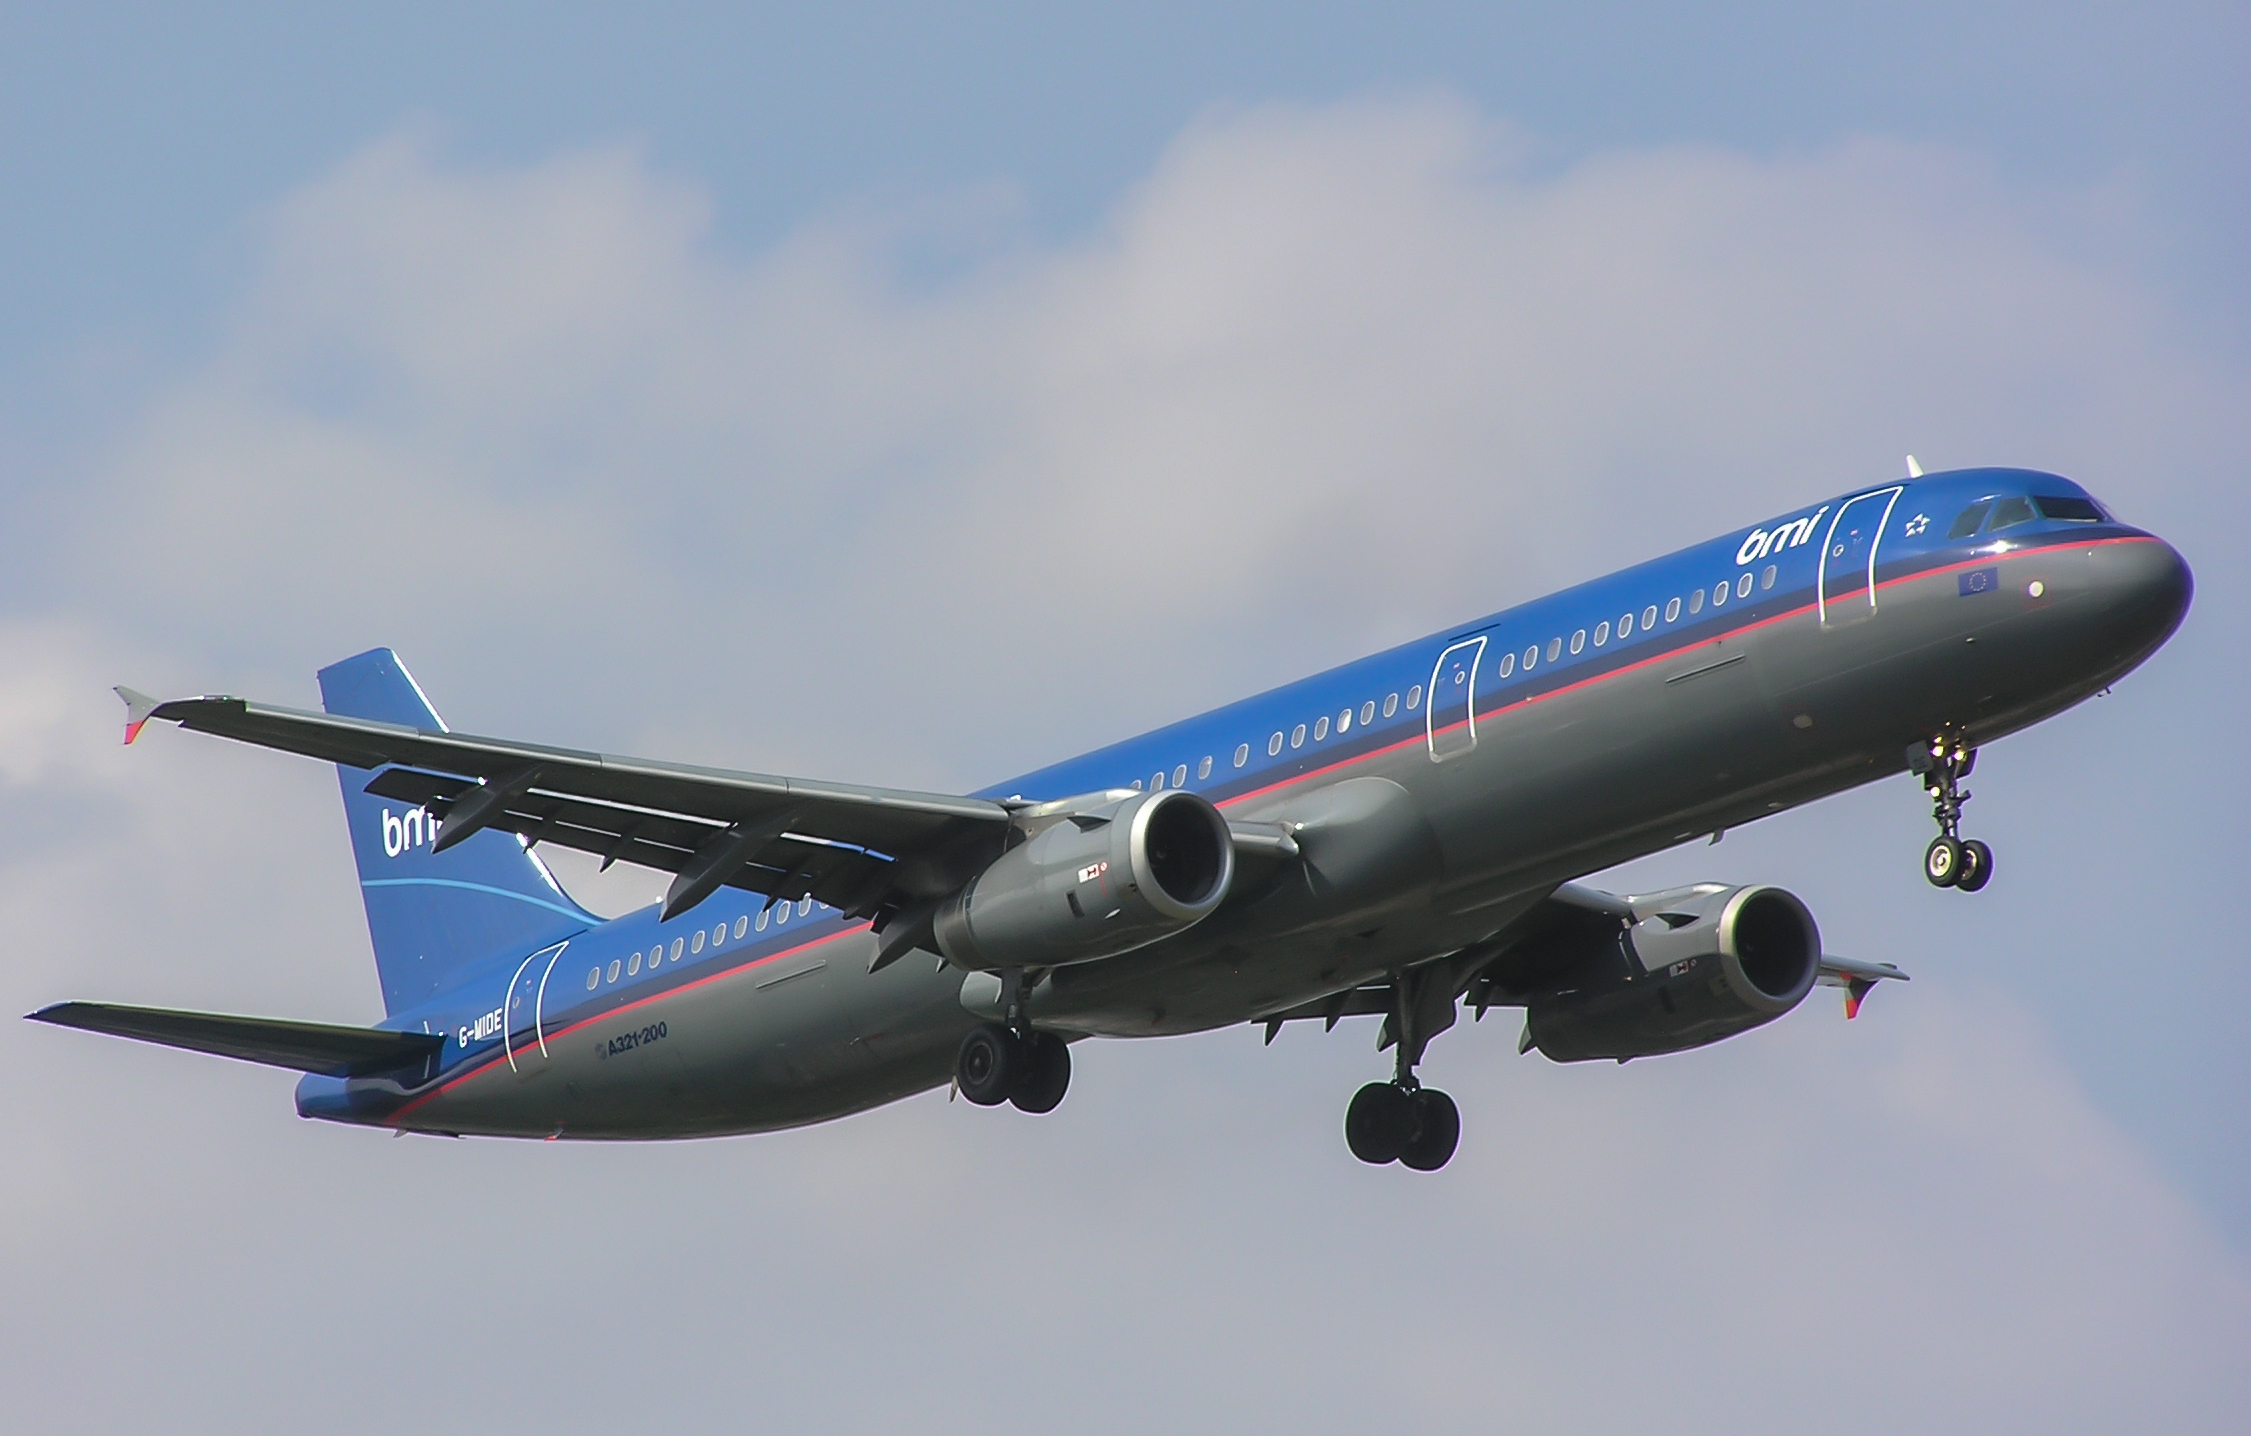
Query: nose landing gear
[{"x": 1950, "y": 861}]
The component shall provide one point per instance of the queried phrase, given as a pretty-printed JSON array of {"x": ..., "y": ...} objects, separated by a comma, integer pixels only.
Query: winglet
[
  {"x": 1857, "y": 978},
  {"x": 138, "y": 707}
]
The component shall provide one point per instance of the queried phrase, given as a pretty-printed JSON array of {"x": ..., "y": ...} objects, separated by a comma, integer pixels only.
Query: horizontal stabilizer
[{"x": 300, "y": 1046}]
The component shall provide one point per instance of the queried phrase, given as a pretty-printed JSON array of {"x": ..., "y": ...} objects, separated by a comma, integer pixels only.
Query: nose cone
[{"x": 2146, "y": 587}]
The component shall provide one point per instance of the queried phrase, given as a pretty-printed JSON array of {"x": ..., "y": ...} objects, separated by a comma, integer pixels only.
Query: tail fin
[{"x": 433, "y": 914}]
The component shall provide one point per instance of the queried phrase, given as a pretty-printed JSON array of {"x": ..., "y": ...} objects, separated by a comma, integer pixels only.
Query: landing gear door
[
  {"x": 523, "y": 1024},
  {"x": 1451, "y": 712},
  {"x": 1848, "y": 557}
]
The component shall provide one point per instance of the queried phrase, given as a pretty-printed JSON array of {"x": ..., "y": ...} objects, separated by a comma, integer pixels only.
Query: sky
[{"x": 920, "y": 396}]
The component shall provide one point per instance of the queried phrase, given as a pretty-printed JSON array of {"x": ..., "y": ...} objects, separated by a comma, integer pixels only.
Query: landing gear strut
[
  {"x": 1950, "y": 861},
  {"x": 1012, "y": 1061},
  {"x": 1401, "y": 1120}
]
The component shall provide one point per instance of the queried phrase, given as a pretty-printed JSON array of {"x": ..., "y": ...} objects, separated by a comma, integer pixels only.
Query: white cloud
[{"x": 1326, "y": 378}]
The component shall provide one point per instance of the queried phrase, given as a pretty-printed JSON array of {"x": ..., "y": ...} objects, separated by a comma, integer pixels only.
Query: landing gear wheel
[
  {"x": 1438, "y": 1129},
  {"x": 1977, "y": 866},
  {"x": 1046, "y": 1073},
  {"x": 987, "y": 1066},
  {"x": 1380, "y": 1122},
  {"x": 1943, "y": 861}
]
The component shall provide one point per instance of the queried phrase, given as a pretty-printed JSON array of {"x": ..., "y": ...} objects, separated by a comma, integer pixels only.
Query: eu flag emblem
[{"x": 1979, "y": 580}]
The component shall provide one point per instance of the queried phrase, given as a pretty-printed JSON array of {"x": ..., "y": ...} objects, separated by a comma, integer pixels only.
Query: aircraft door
[
  {"x": 1450, "y": 714},
  {"x": 1848, "y": 557},
  {"x": 523, "y": 1025}
]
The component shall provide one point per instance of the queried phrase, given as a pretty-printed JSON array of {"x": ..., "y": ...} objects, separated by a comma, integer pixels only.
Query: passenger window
[
  {"x": 781, "y": 910},
  {"x": 1414, "y": 698},
  {"x": 1320, "y": 727},
  {"x": 1390, "y": 704},
  {"x": 1274, "y": 745},
  {"x": 1766, "y": 576},
  {"x": 1508, "y": 664},
  {"x": 1157, "y": 781},
  {"x": 1966, "y": 522},
  {"x": 760, "y": 921},
  {"x": 1602, "y": 633},
  {"x": 1180, "y": 773},
  {"x": 1743, "y": 585},
  {"x": 676, "y": 942},
  {"x": 1626, "y": 626},
  {"x": 719, "y": 934},
  {"x": 1555, "y": 649},
  {"x": 1367, "y": 712},
  {"x": 1203, "y": 768},
  {"x": 1672, "y": 610},
  {"x": 1719, "y": 593},
  {"x": 1649, "y": 615},
  {"x": 2008, "y": 513},
  {"x": 633, "y": 964},
  {"x": 1137, "y": 785},
  {"x": 1579, "y": 641},
  {"x": 1242, "y": 754},
  {"x": 1696, "y": 602},
  {"x": 1531, "y": 656},
  {"x": 742, "y": 927},
  {"x": 804, "y": 906},
  {"x": 593, "y": 979},
  {"x": 2071, "y": 510},
  {"x": 697, "y": 945},
  {"x": 1297, "y": 736}
]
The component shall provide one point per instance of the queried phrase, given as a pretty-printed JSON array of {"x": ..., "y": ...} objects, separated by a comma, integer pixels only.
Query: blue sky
[{"x": 783, "y": 392}]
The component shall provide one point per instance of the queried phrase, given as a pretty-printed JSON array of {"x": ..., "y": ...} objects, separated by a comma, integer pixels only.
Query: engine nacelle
[
  {"x": 1093, "y": 885},
  {"x": 1714, "y": 962}
]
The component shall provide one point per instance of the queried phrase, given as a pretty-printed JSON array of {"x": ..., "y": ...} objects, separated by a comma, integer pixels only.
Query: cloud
[{"x": 1322, "y": 379}]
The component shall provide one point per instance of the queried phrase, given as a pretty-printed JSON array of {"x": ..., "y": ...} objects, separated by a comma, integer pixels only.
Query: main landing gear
[
  {"x": 997, "y": 1064},
  {"x": 1401, "y": 1120},
  {"x": 1950, "y": 861}
]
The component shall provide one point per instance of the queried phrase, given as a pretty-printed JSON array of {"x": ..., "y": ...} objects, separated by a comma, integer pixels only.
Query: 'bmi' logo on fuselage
[{"x": 1758, "y": 543}]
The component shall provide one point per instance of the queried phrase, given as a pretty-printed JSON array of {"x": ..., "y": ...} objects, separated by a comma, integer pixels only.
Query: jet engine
[
  {"x": 1706, "y": 962},
  {"x": 1092, "y": 885}
]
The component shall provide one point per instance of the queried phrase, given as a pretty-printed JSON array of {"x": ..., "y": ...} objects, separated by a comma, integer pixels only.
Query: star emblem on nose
[{"x": 1917, "y": 524}]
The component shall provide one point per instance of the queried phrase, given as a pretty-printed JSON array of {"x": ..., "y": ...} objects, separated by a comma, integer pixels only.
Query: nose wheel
[{"x": 1951, "y": 861}]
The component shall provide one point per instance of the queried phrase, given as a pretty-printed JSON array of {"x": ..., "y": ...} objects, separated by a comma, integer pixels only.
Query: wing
[
  {"x": 1502, "y": 967},
  {"x": 868, "y": 852}
]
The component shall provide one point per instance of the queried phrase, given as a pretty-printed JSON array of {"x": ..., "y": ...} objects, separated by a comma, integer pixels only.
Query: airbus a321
[{"x": 1401, "y": 836}]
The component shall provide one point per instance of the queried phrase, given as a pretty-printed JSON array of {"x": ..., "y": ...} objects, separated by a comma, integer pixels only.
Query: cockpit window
[
  {"x": 2073, "y": 510},
  {"x": 2010, "y": 512},
  {"x": 1970, "y": 518}
]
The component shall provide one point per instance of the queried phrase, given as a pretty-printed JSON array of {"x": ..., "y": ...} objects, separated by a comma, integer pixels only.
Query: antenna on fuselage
[{"x": 1914, "y": 470}]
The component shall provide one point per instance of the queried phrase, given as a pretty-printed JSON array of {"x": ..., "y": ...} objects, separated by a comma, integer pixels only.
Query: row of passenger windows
[
  {"x": 1296, "y": 738},
  {"x": 1645, "y": 621},
  {"x": 1628, "y": 622},
  {"x": 695, "y": 942}
]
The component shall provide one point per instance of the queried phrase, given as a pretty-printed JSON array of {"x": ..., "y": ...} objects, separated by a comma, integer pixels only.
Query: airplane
[{"x": 1403, "y": 836}]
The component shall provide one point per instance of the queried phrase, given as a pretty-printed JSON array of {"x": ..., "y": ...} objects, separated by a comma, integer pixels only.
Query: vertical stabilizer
[{"x": 432, "y": 915}]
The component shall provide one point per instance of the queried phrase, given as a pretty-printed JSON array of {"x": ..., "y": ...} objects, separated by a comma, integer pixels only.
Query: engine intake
[
  {"x": 1092, "y": 885},
  {"x": 1708, "y": 963}
]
